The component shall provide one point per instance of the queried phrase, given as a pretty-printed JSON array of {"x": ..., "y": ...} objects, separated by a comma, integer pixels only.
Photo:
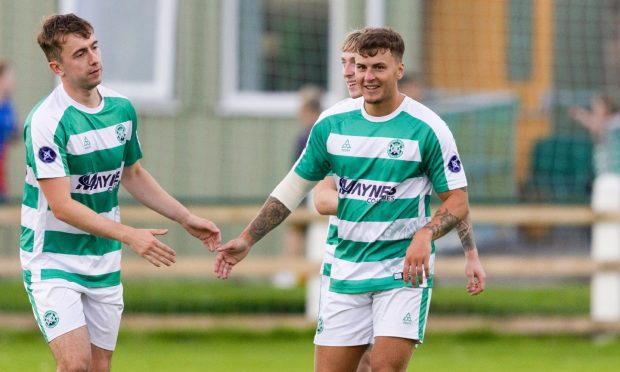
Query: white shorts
[
  {"x": 356, "y": 319},
  {"x": 61, "y": 306}
]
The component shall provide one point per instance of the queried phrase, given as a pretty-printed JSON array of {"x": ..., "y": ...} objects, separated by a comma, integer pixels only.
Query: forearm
[
  {"x": 81, "y": 217},
  {"x": 453, "y": 210},
  {"x": 272, "y": 213},
  {"x": 142, "y": 186},
  {"x": 466, "y": 234}
]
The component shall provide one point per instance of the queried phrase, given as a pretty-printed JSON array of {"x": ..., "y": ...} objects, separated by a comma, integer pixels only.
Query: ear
[
  {"x": 56, "y": 68},
  {"x": 400, "y": 72}
]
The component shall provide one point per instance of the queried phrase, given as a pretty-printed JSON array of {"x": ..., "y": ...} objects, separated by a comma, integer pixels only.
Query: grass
[
  {"x": 285, "y": 350},
  {"x": 220, "y": 297}
]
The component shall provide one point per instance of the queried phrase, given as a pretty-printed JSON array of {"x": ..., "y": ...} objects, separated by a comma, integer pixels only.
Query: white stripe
[
  {"x": 31, "y": 179},
  {"x": 97, "y": 139},
  {"x": 347, "y": 270},
  {"x": 365, "y": 189},
  {"x": 373, "y": 231},
  {"x": 29, "y": 217},
  {"x": 96, "y": 182},
  {"x": 371, "y": 147},
  {"x": 54, "y": 224},
  {"x": 85, "y": 265}
]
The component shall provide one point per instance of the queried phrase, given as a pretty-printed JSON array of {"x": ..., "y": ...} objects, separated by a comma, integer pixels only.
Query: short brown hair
[
  {"x": 380, "y": 39},
  {"x": 56, "y": 28},
  {"x": 350, "y": 41}
]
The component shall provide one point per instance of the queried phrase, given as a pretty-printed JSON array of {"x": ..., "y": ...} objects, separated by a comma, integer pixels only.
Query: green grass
[
  {"x": 227, "y": 350},
  {"x": 219, "y": 297}
]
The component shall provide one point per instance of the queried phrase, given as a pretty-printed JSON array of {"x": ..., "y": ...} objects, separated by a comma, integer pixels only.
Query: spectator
[{"x": 8, "y": 120}]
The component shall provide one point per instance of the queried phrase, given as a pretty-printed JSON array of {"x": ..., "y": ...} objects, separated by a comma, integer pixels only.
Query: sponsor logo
[
  {"x": 86, "y": 143},
  {"x": 407, "y": 319},
  {"x": 96, "y": 181},
  {"x": 51, "y": 319},
  {"x": 395, "y": 149},
  {"x": 47, "y": 155},
  {"x": 374, "y": 193},
  {"x": 455, "y": 164},
  {"x": 346, "y": 146},
  {"x": 320, "y": 326},
  {"x": 121, "y": 133}
]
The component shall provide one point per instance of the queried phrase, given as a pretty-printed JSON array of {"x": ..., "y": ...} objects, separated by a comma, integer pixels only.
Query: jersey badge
[
  {"x": 86, "y": 143},
  {"x": 47, "y": 154},
  {"x": 121, "y": 133},
  {"x": 395, "y": 149},
  {"x": 455, "y": 164}
]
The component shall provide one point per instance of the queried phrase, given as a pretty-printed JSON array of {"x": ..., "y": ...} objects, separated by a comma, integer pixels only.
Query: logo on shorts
[
  {"x": 46, "y": 154},
  {"x": 121, "y": 133},
  {"x": 51, "y": 319},
  {"x": 455, "y": 164},
  {"x": 407, "y": 319},
  {"x": 395, "y": 149},
  {"x": 319, "y": 327}
]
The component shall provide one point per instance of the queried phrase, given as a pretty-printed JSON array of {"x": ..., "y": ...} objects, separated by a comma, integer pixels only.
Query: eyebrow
[{"x": 96, "y": 42}]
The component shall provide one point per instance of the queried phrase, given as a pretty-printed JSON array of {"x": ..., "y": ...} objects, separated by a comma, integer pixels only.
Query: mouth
[
  {"x": 95, "y": 72},
  {"x": 371, "y": 87}
]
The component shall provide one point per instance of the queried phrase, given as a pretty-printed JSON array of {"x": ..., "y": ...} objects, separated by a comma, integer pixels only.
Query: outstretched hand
[
  {"x": 204, "y": 230},
  {"x": 147, "y": 246},
  {"x": 229, "y": 255}
]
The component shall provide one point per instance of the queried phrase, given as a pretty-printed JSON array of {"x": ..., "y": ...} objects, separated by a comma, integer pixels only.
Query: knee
[
  {"x": 379, "y": 364},
  {"x": 74, "y": 364}
]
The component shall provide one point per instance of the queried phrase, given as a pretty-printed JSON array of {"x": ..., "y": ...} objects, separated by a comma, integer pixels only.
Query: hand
[
  {"x": 476, "y": 277},
  {"x": 144, "y": 243},
  {"x": 204, "y": 230},
  {"x": 229, "y": 255},
  {"x": 417, "y": 259}
]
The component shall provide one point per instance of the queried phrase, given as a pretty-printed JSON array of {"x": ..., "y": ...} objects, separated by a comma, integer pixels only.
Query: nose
[
  {"x": 94, "y": 57},
  {"x": 348, "y": 69}
]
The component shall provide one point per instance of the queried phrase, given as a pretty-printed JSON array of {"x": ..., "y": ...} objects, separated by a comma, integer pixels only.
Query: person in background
[{"x": 8, "y": 121}]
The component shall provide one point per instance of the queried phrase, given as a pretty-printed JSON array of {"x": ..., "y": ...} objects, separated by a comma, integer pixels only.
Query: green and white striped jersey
[
  {"x": 90, "y": 146},
  {"x": 385, "y": 169}
]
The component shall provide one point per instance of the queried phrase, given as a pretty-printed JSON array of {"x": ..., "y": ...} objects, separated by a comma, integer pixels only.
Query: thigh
[
  {"x": 57, "y": 307},
  {"x": 72, "y": 350},
  {"x": 344, "y": 320},
  {"x": 337, "y": 358},
  {"x": 401, "y": 312},
  {"x": 103, "y": 308},
  {"x": 391, "y": 353}
]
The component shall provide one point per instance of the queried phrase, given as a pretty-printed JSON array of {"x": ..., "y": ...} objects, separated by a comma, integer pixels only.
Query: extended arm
[
  {"x": 143, "y": 241},
  {"x": 326, "y": 197},
  {"x": 286, "y": 196},
  {"x": 142, "y": 186}
]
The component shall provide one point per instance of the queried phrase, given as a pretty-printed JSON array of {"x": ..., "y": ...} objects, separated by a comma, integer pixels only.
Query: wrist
[{"x": 472, "y": 254}]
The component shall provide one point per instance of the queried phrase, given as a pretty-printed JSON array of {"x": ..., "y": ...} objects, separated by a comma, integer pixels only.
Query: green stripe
[
  {"x": 332, "y": 235},
  {"x": 90, "y": 281},
  {"x": 26, "y": 239},
  {"x": 27, "y": 277},
  {"x": 422, "y": 315},
  {"x": 96, "y": 161},
  {"x": 100, "y": 202},
  {"x": 117, "y": 110},
  {"x": 361, "y": 211},
  {"x": 31, "y": 196},
  {"x": 327, "y": 269},
  {"x": 365, "y": 285},
  {"x": 382, "y": 170},
  {"x": 78, "y": 244},
  {"x": 379, "y": 250}
]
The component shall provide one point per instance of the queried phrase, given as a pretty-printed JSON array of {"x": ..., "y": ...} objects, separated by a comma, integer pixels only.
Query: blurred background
[{"x": 217, "y": 86}]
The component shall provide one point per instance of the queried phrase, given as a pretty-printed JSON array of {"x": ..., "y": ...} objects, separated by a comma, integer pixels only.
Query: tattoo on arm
[
  {"x": 446, "y": 222},
  {"x": 466, "y": 234},
  {"x": 271, "y": 215}
]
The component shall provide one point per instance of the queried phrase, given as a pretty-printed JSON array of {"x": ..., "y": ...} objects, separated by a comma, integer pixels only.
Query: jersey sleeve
[
  {"x": 46, "y": 143},
  {"x": 133, "y": 151},
  {"x": 313, "y": 163},
  {"x": 442, "y": 161}
]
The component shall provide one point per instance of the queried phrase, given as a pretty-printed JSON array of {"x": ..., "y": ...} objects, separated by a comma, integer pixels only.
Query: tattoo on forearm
[
  {"x": 271, "y": 215},
  {"x": 466, "y": 234},
  {"x": 446, "y": 222}
]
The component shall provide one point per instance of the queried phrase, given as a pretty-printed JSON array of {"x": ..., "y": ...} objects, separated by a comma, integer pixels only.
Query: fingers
[
  {"x": 475, "y": 284},
  {"x": 221, "y": 268}
]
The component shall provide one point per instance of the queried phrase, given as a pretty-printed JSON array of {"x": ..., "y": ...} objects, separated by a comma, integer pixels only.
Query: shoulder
[
  {"x": 425, "y": 116},
  {"x": 116, "y": 98},
  {"x": 344, "y": 106},
  {"x": 48, "y": 111}
]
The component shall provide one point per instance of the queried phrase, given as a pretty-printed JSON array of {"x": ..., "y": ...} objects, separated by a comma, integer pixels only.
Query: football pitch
[{"x": 292, "y": 350}]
